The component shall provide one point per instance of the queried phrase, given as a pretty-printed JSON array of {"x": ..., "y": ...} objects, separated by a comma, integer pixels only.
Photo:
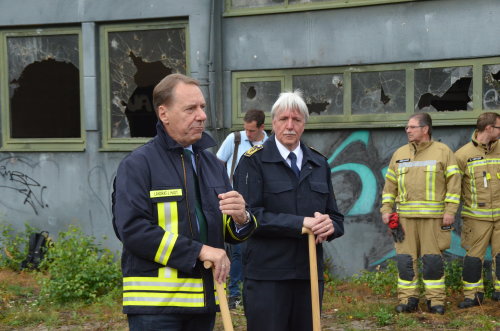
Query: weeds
[{"x": 381, "y": 281}]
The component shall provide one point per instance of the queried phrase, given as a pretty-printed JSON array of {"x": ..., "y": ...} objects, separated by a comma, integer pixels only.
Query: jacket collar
[
  {"x": 205, "y": 142},
  {"x": 486, "y": 148},
  {"x": 420, "y": 147},
  {"x": 272, "y": 154}
]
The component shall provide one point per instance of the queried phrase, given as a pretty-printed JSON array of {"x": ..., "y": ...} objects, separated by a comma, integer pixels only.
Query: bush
[
  {"x": 79, "y": 269},
  {"x": 382, "y": 280},
  {"x": 14, "y": 246}
]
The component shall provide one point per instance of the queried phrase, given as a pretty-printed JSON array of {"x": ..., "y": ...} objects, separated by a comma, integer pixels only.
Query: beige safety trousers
[
  {"x": 476, "y": 236},
  {"x": 423, "y": 238}
]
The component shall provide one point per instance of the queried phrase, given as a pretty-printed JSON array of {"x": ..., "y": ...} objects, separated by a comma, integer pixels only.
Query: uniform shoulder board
[
  {"x": 253, "y": 150},
  {"x": 315, "y": 150}
]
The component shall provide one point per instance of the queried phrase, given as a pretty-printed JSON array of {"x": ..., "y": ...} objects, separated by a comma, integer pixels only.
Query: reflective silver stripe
[
  {"x": 422, "y": 203},
  {"x": 484, "y": 212},
  {"x": 473, "y": 285},
  {"x": 156, "y": 299},
  {"x": 433, "y": 282},
  {"x": 417, "y": 164},
  {"x": 167, "y": 272},
  {"x": 168, "y": 217},
  {"x": 164, "y": 284},
  {"x": 170, "y": 238}
]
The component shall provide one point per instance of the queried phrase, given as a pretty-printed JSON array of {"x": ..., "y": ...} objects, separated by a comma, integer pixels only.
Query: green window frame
[
  {"x": 110, "y": 140},
  {"x": 296, "y": 5},
  {"x": 483, "y": 89},
  {"x": 44, "y": 54}
]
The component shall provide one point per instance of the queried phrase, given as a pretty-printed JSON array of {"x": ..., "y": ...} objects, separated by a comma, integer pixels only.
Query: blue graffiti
[{"x": 364, "y": 204}]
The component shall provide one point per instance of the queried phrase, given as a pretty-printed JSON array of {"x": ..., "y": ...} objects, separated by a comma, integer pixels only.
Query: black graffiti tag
[{"x": 30, "y": 190}]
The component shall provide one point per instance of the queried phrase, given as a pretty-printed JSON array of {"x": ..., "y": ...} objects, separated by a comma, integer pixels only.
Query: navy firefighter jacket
[
  {"x": 279, "y": 200},
  {"x": 153, "y": 216}
]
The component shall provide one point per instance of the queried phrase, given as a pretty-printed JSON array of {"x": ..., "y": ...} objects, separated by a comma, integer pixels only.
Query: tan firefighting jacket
[
  {"x": 480, "y": 167},
  {"x": 422, "y": 181}
]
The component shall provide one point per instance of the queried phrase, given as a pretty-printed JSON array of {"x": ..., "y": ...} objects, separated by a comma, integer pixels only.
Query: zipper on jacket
[{"x": 187, "y": 197}]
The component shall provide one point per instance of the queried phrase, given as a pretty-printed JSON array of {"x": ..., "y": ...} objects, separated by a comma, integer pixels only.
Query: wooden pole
[
  {"x": 313, "y": 270},
  {"x": 221, "y": 293}
]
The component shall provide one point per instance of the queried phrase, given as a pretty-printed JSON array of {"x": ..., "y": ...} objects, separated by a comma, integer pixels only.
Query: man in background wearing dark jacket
[
  {"x": 287, "y": 186},
  {"x": 173, "y": 207}
]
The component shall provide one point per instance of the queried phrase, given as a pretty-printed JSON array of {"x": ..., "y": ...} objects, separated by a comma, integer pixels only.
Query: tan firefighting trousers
[
  {"x": 424, "y": 238},
  {"x": 476, "y": 236}
]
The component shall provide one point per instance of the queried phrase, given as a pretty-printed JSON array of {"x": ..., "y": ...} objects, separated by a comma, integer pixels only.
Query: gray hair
[{"x": 290, "y": 100}]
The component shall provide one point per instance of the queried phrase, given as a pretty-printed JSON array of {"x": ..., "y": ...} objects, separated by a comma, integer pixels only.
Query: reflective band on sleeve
[
  {"x": 391, "y": 175},
  {"x": 388, "y": 198},
  {"x": 453, "y": 198},
  {"x": 452, "y": 170}
]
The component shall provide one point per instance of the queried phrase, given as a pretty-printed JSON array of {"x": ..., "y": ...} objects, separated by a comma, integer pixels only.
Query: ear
[
  {"x": 426, "y": 129},
  {"x": 163, "y": 114}
]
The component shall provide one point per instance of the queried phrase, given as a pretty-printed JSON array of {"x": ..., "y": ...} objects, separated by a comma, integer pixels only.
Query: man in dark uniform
[{"x": 287, "y": 186}]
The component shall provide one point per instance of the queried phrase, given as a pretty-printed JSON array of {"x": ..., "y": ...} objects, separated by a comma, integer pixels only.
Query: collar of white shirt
[{"x": 285, "y": 152}]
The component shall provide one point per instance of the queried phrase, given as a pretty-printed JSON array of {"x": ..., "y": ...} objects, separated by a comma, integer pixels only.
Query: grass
[{"x": 347, "y": 305}]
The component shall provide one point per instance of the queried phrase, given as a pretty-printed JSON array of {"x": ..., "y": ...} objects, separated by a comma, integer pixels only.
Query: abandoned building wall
[{"x": 50, "y": 190}]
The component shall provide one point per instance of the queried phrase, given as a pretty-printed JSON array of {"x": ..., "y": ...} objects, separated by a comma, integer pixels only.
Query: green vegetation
[{"x": 78, "y": 287}]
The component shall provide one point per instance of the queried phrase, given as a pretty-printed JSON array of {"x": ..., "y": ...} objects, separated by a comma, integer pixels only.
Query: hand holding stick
[
  {"x": 221, "y": 294},
  {"x": 313, "y": 270}
]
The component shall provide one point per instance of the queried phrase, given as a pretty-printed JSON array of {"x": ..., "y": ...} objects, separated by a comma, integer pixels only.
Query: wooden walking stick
[
  {"x": 221, "y": 293},
  {"x": 313, "y": 270}
]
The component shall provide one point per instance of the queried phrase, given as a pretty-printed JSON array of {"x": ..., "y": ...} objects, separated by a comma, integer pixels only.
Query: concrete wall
[{"x": 51, "y": 190}]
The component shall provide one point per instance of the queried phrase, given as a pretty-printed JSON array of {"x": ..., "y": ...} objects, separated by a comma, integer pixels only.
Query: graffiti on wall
[
  {"x": 355, "y": 157},
  {"x": 26, "y": 189}
]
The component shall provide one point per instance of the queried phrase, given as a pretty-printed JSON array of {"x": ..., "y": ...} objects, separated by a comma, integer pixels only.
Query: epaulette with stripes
[{"x": 253, "y": 150}]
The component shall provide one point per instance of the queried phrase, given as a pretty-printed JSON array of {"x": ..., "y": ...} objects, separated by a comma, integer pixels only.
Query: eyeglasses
[
  {"x": 496, "y": 127},
  {"x": 413, "y": 127}
]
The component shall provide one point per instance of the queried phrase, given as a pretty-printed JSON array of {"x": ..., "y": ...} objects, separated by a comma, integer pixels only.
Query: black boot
[
  {"x": 467, "y": 303},
  {"x": 438, "y": 309},
  {"x": 411, "y": 306}
]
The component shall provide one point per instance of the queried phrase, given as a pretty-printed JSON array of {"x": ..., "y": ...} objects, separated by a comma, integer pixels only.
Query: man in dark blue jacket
[
  {"x": 173, "y": 208},
  {"x": 287, "y": 186}
]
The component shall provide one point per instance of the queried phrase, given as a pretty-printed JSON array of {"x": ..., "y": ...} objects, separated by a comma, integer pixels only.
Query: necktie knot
[{"x": 293, "y": 164}]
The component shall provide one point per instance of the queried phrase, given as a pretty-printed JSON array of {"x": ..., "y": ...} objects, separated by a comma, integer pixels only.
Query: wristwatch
[{"x": 248, "y": 218}]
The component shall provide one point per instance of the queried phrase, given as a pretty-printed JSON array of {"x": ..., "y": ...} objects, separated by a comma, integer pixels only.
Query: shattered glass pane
[
  {"x": 255, "y": 3},
  {"x": 491, "y": 87},
  {"x": 380, "y": 92},
  {"x": 443, "y": 89},
  {"x": 259, "y": 95},
  {"x": 138, "y": 60},
  {"x": 323, "y": 94},
  {"x": 44, "y": 86}
]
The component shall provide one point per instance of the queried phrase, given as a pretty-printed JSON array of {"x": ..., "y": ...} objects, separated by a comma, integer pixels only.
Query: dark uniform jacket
[
  {"x": 279, "y": 200},
  {"x": 153, "y": 216}
]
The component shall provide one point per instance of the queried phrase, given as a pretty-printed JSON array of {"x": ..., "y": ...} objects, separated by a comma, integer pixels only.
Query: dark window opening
[
  {"x": 443, "y": 89},
  {"x": 46, "y": 101},
  {"x": 138, "y": 60},
  {"x": 455, "y": 98},
  {"x": 259, "y": 95},
  {"x": 139, "y": 109}
]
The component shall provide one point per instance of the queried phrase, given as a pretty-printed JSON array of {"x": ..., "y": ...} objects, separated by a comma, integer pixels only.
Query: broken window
[
  {"x": 378, "y": 92},
  {"x": 138, "y": 60},
  {"x": 323, "y": 94},
  {"x": 491, "y": 87},
  {"x": 255, "y": 3},
  {"x": 44, "y": 86},
  {"x": 259, "y": 95},
  {"x": 443, "y": 89}
]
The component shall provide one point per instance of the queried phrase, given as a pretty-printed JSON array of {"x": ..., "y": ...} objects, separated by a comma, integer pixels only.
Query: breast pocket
[
  {"x": 278, "y": 195},
  {"x": 318, "y": 195},
  {"x": 167, "y": 202}
]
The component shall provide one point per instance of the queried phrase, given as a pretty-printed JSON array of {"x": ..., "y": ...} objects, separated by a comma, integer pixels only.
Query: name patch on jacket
[
  {"x": 176, "y": 192},
  {"x": 403, "y": 160},
  {"x": 475, "y": 158}
]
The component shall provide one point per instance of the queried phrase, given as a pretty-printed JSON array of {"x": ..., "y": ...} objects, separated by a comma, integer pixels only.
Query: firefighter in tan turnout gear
[
  {"x": 479, "y": 162},
  {"x": 423, "y": 185}
]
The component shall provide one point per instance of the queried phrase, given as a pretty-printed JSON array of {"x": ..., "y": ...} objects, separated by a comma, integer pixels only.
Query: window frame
[
  {"x": 127, "y": 144},
  {"x": 10, "y": 144},
  {"x": 286, "y": 7},
  {"x": 348, "y": 120}
]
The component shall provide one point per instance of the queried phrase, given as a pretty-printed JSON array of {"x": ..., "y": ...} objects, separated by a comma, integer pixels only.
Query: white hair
[{"x": 290, "y": 100}]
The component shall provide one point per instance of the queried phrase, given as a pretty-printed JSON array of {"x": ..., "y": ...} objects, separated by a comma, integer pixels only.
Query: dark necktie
[
  {"x": 194, "y": 186},
  {"x": 293, "y": 163}
]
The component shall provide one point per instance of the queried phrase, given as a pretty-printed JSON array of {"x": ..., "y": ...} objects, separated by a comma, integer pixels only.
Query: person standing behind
[
  {"x": 230, "y": 153},
  {"x": 479, "y": 162},
  {"x": 287, "y": 186},
  {"x": 423, "y": 184},
  {"x": 172, "y": 208}
]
